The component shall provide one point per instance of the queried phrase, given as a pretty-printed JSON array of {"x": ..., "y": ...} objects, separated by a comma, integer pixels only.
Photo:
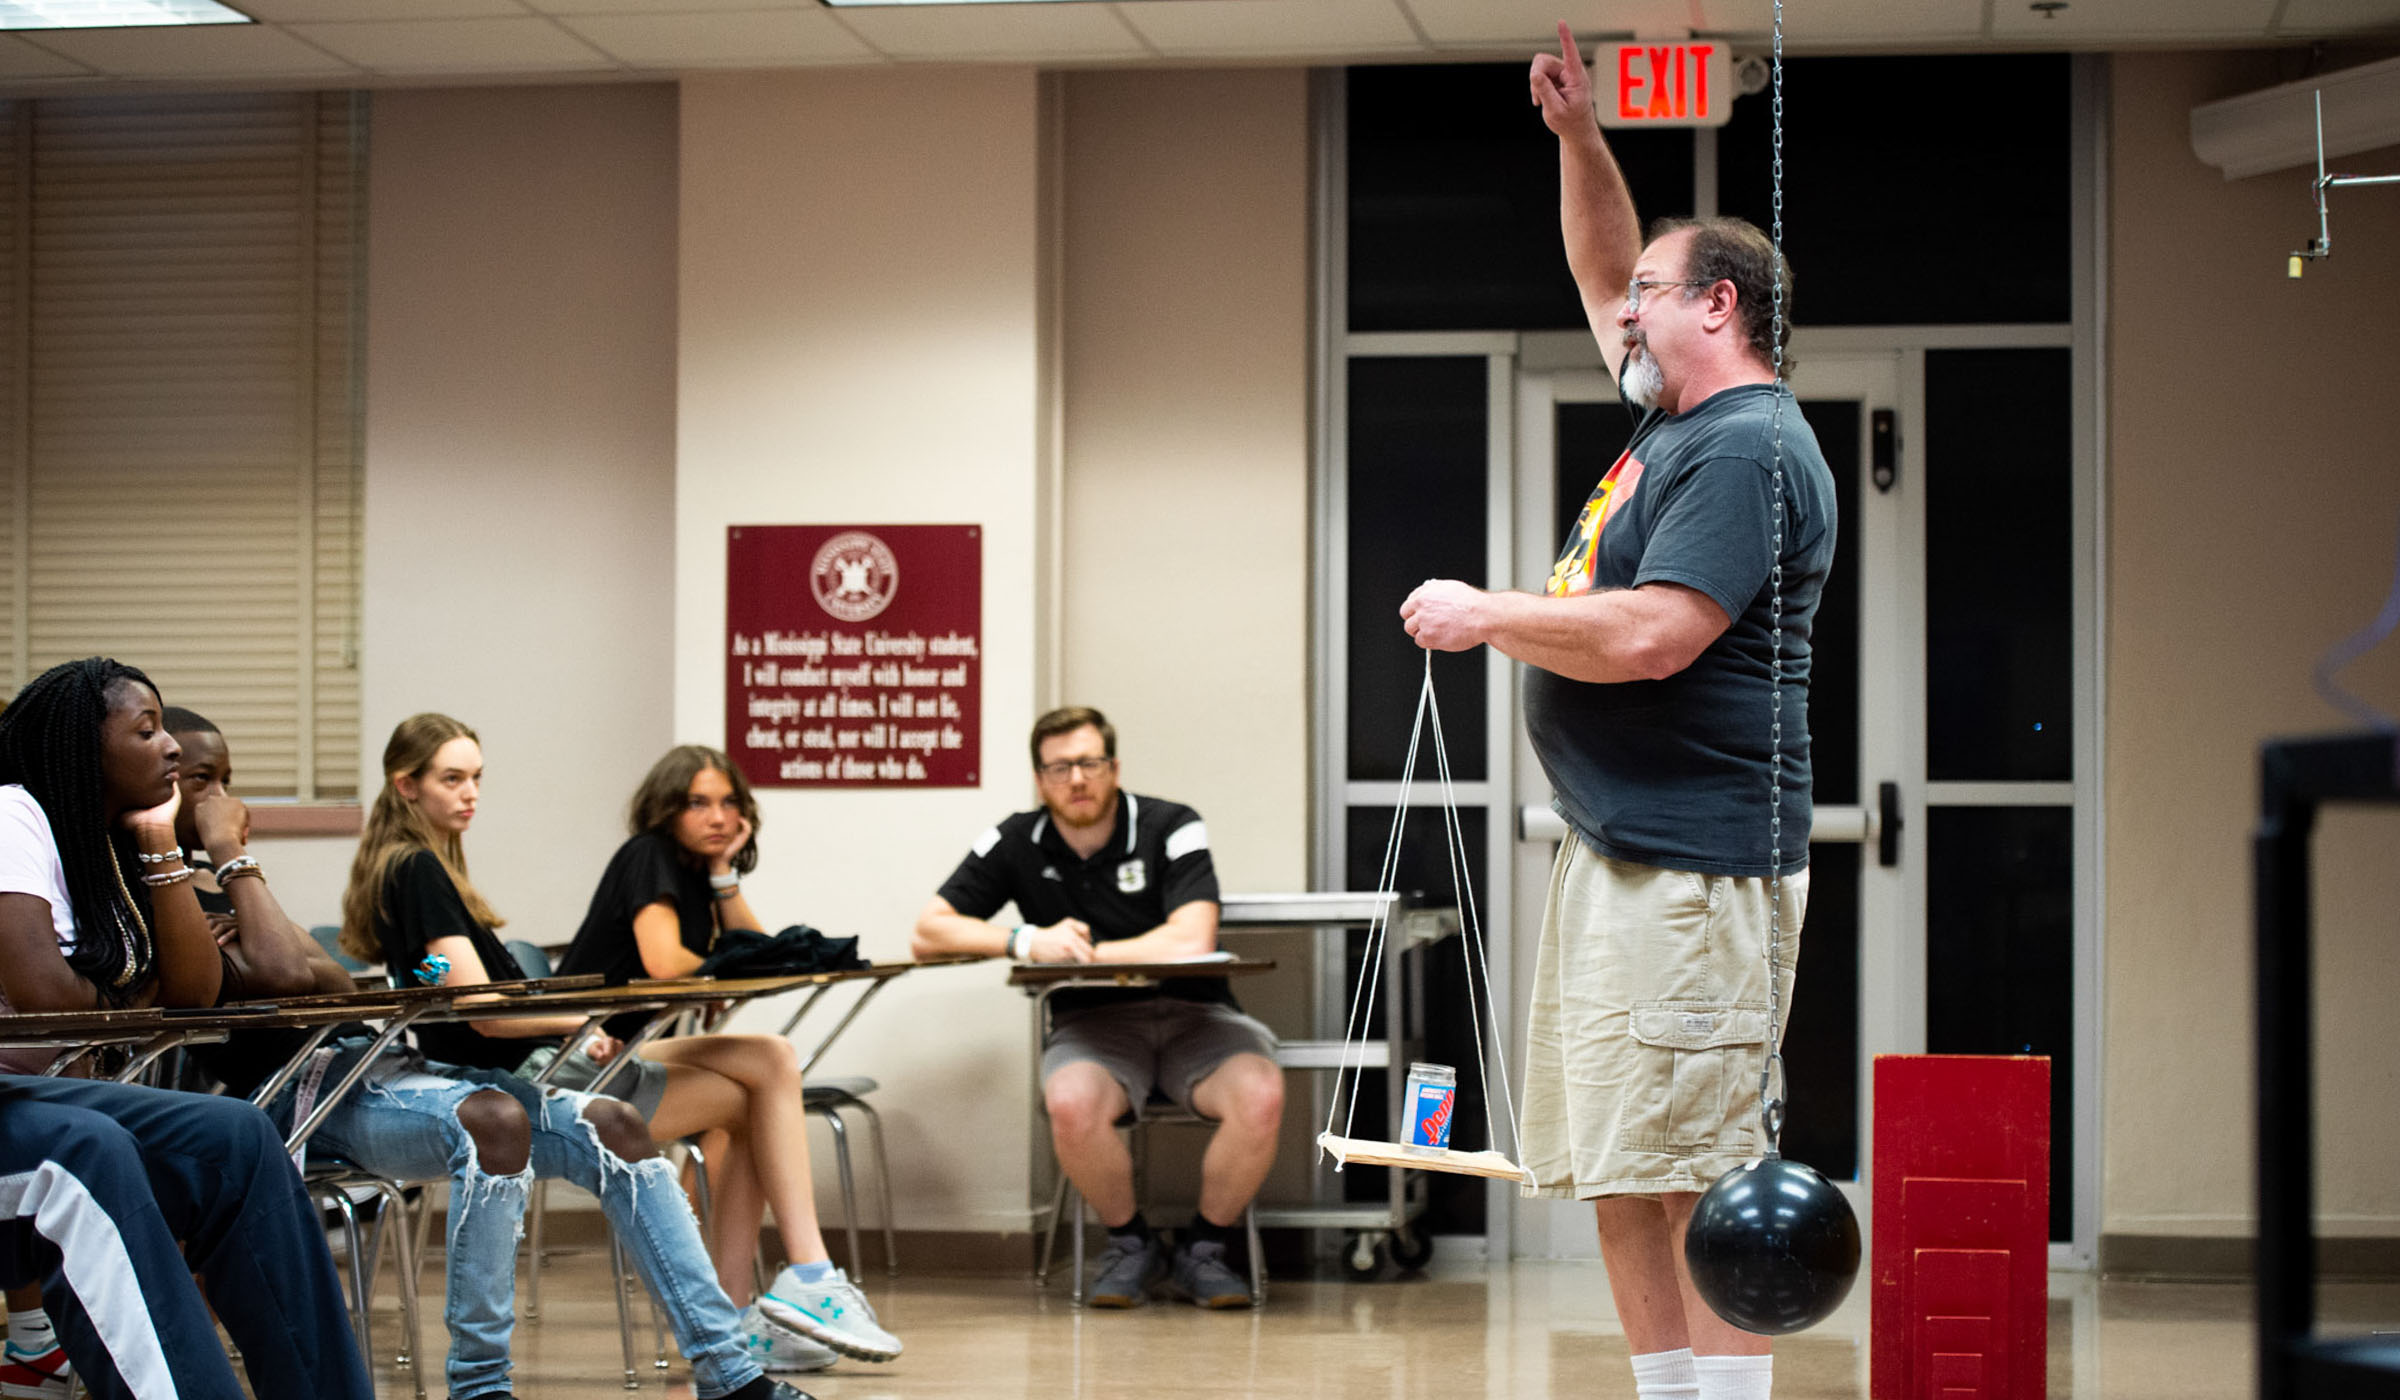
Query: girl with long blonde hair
[{"x": 411, "y": 906}]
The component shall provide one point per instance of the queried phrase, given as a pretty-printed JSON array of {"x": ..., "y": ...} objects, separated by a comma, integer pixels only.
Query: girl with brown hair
[{"x": 667, "y": 893}]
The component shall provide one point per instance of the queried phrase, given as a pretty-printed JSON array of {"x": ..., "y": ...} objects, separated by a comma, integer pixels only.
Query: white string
[
  {"x": 1370, "y": 973},
  {"x": 1470, "y": 925},
  {"x": 1379, "y": 930}
]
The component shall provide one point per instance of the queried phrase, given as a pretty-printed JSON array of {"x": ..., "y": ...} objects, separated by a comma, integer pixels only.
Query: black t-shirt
[
  {"x": 1156, "y": 861},
  {"x": 420, "y": 905},
  {"x": 646, "y": 870},
  {"x": 1675, "y": 772}
]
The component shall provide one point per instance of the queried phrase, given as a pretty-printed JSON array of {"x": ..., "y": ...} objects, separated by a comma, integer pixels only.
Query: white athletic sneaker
[
  {"x": 830, "y": 1311},
  {"x": 778, "y": 1348}
]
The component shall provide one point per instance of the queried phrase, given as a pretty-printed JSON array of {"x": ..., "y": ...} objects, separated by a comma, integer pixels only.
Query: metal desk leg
[
  {"x": 616, "y": 1278},
  {"x": 804, "y": 1008},
  {"x": 883, "y": 1173},
  {"x": 842, "y": 1025},
  {"x": 841, "y": 1161},
  {"x": 148, "y": 1055},
  {"x": 1058, "y": 1206}
]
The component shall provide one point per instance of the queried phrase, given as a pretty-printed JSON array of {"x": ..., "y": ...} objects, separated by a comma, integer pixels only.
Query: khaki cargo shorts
[{"x": 1648, "y": 1025}]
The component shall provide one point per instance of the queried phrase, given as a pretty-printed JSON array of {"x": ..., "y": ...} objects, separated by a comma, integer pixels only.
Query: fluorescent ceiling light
[
  {"x": 113, "y": 14},
  {"x": 873, "y": 4}
]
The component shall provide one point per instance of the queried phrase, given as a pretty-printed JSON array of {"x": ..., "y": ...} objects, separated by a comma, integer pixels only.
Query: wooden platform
[{"x": 1367, "y": 1152}]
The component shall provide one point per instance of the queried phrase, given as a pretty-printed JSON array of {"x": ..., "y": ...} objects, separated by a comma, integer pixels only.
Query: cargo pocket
[{"x": 1696, "y": 1073}]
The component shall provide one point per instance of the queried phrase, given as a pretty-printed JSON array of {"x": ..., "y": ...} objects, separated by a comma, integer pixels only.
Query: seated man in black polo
[{"x": 1104, "y": 876}]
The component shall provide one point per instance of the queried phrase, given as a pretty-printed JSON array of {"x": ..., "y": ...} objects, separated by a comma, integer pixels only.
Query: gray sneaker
[
  {"x": 831, "y": 1312},
  {"x": 1128, "y": 1266},
  {"x": 779, "y": 1349},
  {"x": 1202, "y": 1276}
]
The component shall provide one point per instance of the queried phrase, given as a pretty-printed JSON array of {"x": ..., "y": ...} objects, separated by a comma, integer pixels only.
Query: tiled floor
[{"x": 1525, "y": 1331}]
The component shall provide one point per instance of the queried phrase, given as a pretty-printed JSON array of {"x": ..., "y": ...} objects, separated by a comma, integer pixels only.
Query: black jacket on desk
[{"x": 1156, "y": 861}]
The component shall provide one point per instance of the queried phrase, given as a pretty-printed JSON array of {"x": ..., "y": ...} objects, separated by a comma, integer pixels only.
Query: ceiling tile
[
  {"x": 2319, "y": 17},
  {"x": 752, "y": 39},
  {"x": 998, "y": 33},
  {"x": 2087, "y": 22},
  {"x": 1819, "y": 24},
  {"x": 285, "y": 11},
  {"x": 1525, "y": 23},
  {"x": 200, "y": 51},
  {"x": 456, "y": 45},
  {"x": 19, "y": 59},
  {"x": 1207, "y": 28},
  {"x": 570, "y": 8}
]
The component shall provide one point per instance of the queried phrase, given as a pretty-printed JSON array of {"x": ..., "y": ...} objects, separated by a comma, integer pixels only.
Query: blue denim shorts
[{"x": 642, "y": 1083}]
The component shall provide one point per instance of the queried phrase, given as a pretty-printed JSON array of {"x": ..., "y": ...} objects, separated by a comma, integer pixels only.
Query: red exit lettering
[{"x": 1684, "y": 84}]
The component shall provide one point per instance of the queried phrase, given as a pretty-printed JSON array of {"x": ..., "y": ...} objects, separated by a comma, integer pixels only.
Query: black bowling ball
[{"x": 1772, "y": 1247}]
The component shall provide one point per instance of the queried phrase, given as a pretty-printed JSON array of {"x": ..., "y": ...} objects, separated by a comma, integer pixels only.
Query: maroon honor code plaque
[{"x": 854, "y": 654}]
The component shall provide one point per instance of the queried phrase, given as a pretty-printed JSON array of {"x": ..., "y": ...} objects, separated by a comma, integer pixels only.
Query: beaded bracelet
[
  {"x": 160, "y": 857},
  {"x": 239, "y": 865},
  {"x": 159, "y": 879}
]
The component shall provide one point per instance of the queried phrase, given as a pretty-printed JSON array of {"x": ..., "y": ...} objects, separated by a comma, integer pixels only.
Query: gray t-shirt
[{"x": 1674, "y": 772}]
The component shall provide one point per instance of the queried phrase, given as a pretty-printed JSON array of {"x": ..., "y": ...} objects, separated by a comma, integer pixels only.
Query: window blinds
[{"x": 181, "y": 304}]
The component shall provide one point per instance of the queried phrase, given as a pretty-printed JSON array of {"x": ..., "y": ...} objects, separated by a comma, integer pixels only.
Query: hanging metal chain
[{"x": 1771, "y": 1074}]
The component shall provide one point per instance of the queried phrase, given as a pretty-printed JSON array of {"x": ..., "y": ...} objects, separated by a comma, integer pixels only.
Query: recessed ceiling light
[
  {"x": 113, "y": 14},
  {"x": 871, "y": 4}
]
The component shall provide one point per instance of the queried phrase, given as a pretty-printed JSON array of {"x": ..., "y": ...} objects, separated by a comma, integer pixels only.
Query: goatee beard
[{"x": 1644, "y": 381}]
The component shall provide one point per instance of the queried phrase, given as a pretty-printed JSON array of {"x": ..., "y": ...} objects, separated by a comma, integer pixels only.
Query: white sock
[
  {"x": 1665, "y": 1375},
  {"x": 30, "y": 1330},
  {"x": 1735, "y": 1377}
]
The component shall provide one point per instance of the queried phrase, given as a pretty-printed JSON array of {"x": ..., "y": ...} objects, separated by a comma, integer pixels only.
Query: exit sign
[{"x": 1686, "y": 84}]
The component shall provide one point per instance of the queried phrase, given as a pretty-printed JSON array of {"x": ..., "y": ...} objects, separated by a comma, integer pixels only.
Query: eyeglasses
[
  {"x": 1634, "y": 288},
  {"x": 1088, "y": 767}
]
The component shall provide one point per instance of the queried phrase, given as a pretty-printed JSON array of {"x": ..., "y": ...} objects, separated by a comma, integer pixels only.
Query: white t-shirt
[{"x": 29, "y": 862}]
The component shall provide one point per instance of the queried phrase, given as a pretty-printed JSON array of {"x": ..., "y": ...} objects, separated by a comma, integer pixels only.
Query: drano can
[{"x": 1432, "y": 1094}]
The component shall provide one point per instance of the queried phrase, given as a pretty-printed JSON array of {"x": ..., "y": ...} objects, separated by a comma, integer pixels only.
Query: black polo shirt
[{"x": 1156, "y": 862}]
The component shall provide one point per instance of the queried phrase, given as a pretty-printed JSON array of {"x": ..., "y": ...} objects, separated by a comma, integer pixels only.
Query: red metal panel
[{"x": 1961, "y": 1227}]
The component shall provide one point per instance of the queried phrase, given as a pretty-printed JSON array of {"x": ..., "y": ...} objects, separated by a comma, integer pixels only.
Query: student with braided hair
[{"x": 96, "y": 905}]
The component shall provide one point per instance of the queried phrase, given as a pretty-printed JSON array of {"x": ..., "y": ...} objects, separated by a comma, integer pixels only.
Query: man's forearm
[
  {"x": 958, "y": 933},
  {"x": 1596, "y": 218},
  {"x": 1185, "y": 937},
  {"x": 1603, "y": 637}
]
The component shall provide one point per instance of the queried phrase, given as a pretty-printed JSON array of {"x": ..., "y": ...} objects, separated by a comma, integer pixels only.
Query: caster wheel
[
  {"x": 1363, "y": 1260},
  {"x": 1411, "y": 1250}
]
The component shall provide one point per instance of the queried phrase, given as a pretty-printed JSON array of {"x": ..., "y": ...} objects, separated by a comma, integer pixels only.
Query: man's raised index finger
[{"x": 1568, "y": 50}]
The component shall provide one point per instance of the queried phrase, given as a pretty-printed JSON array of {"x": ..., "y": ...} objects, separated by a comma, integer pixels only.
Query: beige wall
[
  {"x": 1185, "y": 480},
  {"x": 858, "y": 345},
  {"x": 2253, "y": 500},
  {"x": 520, "y": 468},
  {"x": 1186, "y": 445}
]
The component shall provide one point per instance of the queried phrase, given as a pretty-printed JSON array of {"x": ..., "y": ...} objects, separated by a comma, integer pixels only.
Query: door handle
[{"x": 1889, "y": 820}]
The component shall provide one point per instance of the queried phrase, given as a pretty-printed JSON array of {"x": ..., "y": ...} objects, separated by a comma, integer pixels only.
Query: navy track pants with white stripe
[{"x": 97, "y": 1183}]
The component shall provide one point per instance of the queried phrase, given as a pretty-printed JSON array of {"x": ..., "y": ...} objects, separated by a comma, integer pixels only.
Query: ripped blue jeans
[{"x": 402, "y": 1122}]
